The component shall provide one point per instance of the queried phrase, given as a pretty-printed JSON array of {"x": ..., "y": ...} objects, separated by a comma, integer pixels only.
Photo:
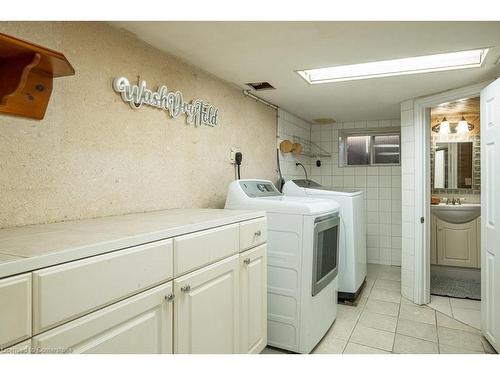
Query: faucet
[
  {"x": 305, "y": 171},
  {"x": 454, "y": 201}
]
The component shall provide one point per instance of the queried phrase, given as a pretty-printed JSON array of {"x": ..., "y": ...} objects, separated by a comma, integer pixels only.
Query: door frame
[{"x": 421, "y": 121}]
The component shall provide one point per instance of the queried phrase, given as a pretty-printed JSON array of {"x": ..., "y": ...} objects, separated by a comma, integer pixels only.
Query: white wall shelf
[{"x": 311, "y": 149}]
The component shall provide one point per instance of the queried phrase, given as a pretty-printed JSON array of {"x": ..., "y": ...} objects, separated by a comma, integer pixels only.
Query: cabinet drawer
[
  {"x": 253, "y": 233},
  {"x": 67, "y": 291},
  {"x": 198, "y": 249},
  {"x": 15, "y": 309},
  {"x": 141, "y": 324}
]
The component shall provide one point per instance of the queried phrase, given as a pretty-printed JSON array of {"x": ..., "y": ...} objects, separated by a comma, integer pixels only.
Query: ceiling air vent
[
  {"x": 324, "y": 121},
  {"x": 259, "y": 86}
]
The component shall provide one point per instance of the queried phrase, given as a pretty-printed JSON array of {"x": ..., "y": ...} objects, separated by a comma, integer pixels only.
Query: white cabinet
[
  {"x": 253, "y": 300},
  {"x": 202, "y": 292},
  {"x": 457, "y": 244},
  {"x": 140, "y": 324},
  {"x": 207, "y": 309},
  {"x": 15, "y": 309}
]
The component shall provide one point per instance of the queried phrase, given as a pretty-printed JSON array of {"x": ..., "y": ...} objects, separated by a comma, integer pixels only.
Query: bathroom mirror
[{"x": 453, "y": 165}]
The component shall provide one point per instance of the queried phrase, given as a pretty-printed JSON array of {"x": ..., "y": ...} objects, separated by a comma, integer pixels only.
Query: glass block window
[{"x": 369, "y": 147}]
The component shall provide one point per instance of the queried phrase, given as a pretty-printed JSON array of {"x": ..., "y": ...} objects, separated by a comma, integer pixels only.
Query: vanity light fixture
[
  {"x": 463, "y": 126},
  {"x": 444, "y": 127},
  {"x": 386, "y": 68}
]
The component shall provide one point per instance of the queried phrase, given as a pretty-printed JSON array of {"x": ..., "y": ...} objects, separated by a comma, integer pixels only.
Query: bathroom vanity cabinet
[
  {"x": 455, "y": 245},
  {"x": 200, "y": 292}
]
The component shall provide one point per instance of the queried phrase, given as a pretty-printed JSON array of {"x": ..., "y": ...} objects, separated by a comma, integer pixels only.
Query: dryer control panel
[{"x": 256, "y": 188}]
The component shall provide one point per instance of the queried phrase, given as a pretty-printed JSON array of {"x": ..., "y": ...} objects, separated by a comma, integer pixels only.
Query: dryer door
[{"x": 326, "y": 252}]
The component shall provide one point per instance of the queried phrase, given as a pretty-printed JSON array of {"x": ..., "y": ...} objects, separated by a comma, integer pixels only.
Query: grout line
[
  {"x": 437, "y": 331},
  {"x": 451, "y": 307},
  {"x": 397, "y": 324},
  {"x": 418, "y": 338}
]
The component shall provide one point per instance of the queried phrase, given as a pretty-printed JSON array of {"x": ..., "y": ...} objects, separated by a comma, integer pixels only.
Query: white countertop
[{"x": 28, "y": 248}]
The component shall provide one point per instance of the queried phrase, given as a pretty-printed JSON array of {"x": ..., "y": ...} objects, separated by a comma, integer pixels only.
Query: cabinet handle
[
  {"x": 258, "y": 233},
  {"x": 186, "y": 288},
  {"x": 170, "y": 297},
  {"x": 247, "y": 261}
]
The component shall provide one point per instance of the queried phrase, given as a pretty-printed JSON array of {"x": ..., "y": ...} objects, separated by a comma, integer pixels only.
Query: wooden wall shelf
[{"x": 26, "y": 74}]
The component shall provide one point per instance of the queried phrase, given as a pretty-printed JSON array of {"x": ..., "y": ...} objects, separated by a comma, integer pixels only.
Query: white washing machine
[
  {"x": 352, "y": 262},
  {"x": 302, "y": 258}
]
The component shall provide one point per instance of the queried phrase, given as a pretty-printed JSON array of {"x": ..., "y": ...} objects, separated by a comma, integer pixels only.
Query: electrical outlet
[{"x": 232, "y": 155}]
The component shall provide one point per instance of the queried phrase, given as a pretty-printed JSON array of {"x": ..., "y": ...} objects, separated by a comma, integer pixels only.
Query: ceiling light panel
[{"x": 396, "y": 67}]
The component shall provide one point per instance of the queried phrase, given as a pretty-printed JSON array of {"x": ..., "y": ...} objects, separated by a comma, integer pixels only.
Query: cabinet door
[
  {"x": 457, "y": 244},
  {"x": 136, "y": 325},
  {"x": 253, "y": 300},
  {"x": 207, "y": 309},
  {"x": 15, "y": 309}
]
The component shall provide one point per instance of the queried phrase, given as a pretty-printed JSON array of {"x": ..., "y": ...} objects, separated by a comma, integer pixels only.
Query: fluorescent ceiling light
[{"x": 397, "y": 67}]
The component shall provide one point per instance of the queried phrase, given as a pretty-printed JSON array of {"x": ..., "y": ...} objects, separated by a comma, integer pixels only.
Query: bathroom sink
[{"x": 457, "y": 214}]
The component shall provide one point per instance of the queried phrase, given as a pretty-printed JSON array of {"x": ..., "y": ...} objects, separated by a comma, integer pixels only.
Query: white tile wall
[
  {"x": 288, "y": 126},
  {"x": 408, "y": 199},
  {"x": 381, "y": 185}
]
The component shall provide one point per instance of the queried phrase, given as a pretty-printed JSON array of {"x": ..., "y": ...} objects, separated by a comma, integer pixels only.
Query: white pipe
[{"x": 248, "y": 93}]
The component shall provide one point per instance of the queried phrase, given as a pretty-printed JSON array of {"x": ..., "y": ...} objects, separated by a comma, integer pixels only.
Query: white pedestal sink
[{"x": 457, "y": 214}]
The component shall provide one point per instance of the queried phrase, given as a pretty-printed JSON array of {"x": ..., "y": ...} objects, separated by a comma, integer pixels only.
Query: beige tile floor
[
  {"x": 383, "y": 322},
  {"x": 464, "y": 310}
]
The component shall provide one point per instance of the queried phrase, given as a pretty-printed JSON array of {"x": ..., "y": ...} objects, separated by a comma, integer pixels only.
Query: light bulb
[
  {"x": 463, "y": 126},
  {"x": 444, "y": 127}
]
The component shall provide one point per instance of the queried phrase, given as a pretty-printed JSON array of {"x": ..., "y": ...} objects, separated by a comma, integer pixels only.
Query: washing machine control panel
[{"x": 259, "y": 188}]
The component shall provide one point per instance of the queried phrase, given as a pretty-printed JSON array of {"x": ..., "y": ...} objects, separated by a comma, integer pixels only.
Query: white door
[
  {"x": 141, "y": 324},
  {"x": 207, "y": 309},
  {"x": 490, "y": 209},
  {"x": 253, "y": 300}
]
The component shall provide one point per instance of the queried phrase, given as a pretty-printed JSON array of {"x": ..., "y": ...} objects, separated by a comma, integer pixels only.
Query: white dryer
[
  {"x": 352, "y": 262},
  {"x": 302, "y": 258}
]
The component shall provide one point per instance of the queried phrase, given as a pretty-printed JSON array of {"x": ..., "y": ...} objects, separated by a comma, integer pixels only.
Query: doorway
[
  {"x": 455, "y": 227},
  {"x": 423, "y": 229}
]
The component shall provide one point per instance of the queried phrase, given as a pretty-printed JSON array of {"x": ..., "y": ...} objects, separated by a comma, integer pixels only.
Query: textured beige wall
[{"x": 94, "y": 156}]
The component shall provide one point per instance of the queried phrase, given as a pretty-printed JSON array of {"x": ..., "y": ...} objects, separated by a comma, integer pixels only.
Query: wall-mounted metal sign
[{"x": 198, "y": 112}]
